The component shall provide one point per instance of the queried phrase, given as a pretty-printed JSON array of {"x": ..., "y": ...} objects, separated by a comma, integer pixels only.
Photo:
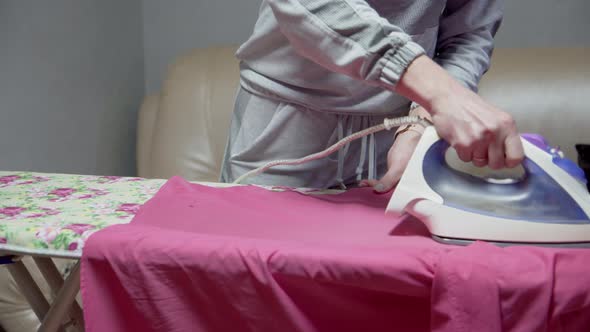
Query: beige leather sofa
[{"x": 183, "y": 129}]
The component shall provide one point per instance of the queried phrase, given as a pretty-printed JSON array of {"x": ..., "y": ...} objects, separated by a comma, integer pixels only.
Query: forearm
[
  {"x": 347, "y": 37},
  {"x": 424, "y": 82}
]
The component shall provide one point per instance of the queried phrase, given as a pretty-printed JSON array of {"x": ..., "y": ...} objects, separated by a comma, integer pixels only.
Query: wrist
[
  {"x": 412, "y": 130},
  {"x": 418, "y": 110},
  {"x": 416, "y": 128},
  {"x": 426, "y": 83}
]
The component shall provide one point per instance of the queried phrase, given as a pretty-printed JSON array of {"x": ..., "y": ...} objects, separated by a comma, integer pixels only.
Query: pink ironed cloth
[{"x": 197, "y": 258}]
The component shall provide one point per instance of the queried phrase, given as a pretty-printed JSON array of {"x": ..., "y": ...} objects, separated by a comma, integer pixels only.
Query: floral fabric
[{"x": 59, "y": 212}]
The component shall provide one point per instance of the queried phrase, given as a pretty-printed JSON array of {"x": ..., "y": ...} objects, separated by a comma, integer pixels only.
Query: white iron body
[{"x": 460, "y": 224}]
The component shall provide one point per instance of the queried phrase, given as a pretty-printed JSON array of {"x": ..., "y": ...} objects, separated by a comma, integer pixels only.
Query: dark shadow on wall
[{"x": 584, "y": 160}]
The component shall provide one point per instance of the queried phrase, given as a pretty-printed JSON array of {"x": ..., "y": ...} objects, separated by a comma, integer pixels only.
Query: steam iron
[{"x": 543, "y": 202}]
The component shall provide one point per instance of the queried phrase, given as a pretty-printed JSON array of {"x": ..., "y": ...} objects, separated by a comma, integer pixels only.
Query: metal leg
[
  {"x": 56, "y": 282},
  {"x": 63, "y": 302},
  {"x": 29, "y": 288}
]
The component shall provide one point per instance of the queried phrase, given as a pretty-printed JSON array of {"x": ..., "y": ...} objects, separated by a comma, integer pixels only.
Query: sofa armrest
[
  {"x": 146, "y": 121},
  {"x": 194, "y": 112}
]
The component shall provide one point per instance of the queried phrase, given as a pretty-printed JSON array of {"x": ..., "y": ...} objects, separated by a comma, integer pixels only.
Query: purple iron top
[
  {"x": 537, "y": 140},
  {"x": 565, "y": 164}
]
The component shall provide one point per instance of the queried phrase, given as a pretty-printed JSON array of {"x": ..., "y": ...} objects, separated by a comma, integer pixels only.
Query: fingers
[
  {"x": 389, "y": 180},
  {"x": 480, "y": 154},
  {"x": 386, "y": 183},
  {"x": 496, "y": 154},
  {"x": 480, "y": 151},
  {"x": 368, "y": 183},
  {"x": 464, "y": 152},
  {"x": 472, "y": 145},
  {"x": 397, "y": 160},
  {"x": 464, "y": 146},
  {"x": 514, "y": 151},
  {"x": 479, "y": 132},
  {"x": 487, "y": 140},
  {"x": 508, "y": 150}
]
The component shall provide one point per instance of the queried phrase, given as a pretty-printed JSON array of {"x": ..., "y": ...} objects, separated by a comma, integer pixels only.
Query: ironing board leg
[
  {"x": 63, "y": 302},
  {"x": 56, "y": 282},
  {"x": 29, "y": 288}
]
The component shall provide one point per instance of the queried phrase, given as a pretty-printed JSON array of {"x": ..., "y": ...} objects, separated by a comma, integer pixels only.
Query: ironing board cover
[{"x": 54, "y": 214}]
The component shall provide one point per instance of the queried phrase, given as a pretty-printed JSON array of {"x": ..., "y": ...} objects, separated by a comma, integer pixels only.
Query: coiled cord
[{"x": 387, "y": 124}]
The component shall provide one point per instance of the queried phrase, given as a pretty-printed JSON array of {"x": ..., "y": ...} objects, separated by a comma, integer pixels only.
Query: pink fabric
[{"x": 197, "y": 258}]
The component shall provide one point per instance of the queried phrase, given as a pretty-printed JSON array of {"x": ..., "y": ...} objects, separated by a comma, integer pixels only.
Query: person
[{"x": 314, "y": 71}]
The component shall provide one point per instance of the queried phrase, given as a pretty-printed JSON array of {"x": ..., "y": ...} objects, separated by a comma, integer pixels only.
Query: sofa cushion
[{"x": 194, "y": 114}]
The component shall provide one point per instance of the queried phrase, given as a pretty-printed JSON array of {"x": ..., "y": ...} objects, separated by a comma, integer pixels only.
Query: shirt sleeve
[
  {"x": 348, "y": 37},
  {"x": 466, "y": 38}
]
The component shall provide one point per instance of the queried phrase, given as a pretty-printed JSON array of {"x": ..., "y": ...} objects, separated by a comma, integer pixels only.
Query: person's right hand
[{"x": 480, "y": 132}]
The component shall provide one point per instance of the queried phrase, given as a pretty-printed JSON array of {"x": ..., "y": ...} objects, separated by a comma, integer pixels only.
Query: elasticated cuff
[{"x": 397, "y": 60}]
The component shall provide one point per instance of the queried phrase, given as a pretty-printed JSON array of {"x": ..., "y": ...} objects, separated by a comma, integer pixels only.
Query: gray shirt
[{"x": 346, "y": 56}]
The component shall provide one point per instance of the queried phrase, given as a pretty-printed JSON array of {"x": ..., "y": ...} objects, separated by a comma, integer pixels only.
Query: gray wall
[
  {"x": 545, "y": 23},
  {"x": 175, "y": 26},
  {"x": 71, "y": 80}
]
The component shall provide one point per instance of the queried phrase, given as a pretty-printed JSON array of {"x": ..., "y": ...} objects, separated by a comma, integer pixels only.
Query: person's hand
[
  {"x": 479, "y": 132},
  {"x": 397, "y": 160}
]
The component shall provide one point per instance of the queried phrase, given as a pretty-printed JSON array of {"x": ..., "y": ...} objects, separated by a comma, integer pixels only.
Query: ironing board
[{"x": 47, "y": 216}]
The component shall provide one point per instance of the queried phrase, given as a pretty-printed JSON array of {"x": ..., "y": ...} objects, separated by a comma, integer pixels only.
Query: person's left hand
[{"x": 397, "y": 160}]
